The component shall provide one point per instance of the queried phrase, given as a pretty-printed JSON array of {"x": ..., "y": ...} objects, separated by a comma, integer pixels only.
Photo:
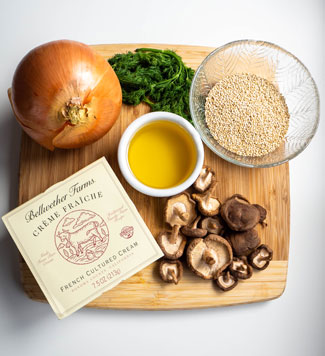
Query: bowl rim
[
  {"x": 123, "y": 148},
  {"x": 233, "y": 160}
]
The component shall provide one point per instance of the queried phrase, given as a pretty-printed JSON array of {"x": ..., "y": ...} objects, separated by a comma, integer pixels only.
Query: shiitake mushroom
[
  {"x": 261, "y": 257},
  {"x": 213, "y": 225},
  {"x": 179, "y": 211},
  {"x": 243, "y": 242},
  {"x": 171, "y": 271},
  {"x": 204, "y": 180},
  {"x": 239, "y": 214},
  {"x": 208, "y": 257},
  {"x": 226, "y": 281},
  {"x": 207, "y": 204},
  {"x": 240, "y": 268},
  {"x": 172, "y": 249}
]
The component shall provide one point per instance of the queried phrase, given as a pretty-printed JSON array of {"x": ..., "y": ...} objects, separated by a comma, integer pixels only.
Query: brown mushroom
[
  {"x": 213, "y": 225},
  {"x": 226, "y": 281},
  {"x": 243, "y": 242},
  {"x": 193, "y": 230},
  {"x": 239, "y": 214},
  {"x": 204, "y": 180},
  {"x": 208, "y": 257},
  {"x": 171, "y": 271},
  {"x": 179, "y": 211},
  {"x": 172, "y": 250},
  {"x": 263, "y": 213},
  {"x": 207, "y": 204},
  {"x": 261, "y": 257},
  {"x": 240, "y": 268}
]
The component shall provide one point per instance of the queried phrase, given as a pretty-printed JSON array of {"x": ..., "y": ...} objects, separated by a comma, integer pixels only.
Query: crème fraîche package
[{"x": 82, "y": 237}]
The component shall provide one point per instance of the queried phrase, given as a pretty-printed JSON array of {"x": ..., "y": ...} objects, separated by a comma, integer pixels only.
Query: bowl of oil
[{"x": 160, "y": 154}]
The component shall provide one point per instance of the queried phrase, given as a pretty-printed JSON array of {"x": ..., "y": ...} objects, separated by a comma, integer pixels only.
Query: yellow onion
[{"x": 65, "y": 95}]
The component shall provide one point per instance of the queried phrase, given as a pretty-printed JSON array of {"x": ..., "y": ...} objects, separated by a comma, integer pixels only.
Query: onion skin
[{"x": 61, "y": 72}]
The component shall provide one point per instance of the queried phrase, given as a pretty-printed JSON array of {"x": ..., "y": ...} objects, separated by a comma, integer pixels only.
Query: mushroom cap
[
  {"x": 226, "y": 281},
  {"x": 239, "y": 196},
  {"x": 193, "y": 232},
  {"x": 240, "y": 268},
  {"x": 180, "y": 210},
  {"x": 213, "y": 225},
  {"x": 262, "y": 211},
  {"x": 261, "y": 257},
  {"x": 171, "y": 271},
  {"x": 171, "y": 250},
  {"x": 243, "y": 242},
  {"x": 204, "y": 180},
  {"x": 239, "y": 214},
  {"x": 208, "y": 257}
]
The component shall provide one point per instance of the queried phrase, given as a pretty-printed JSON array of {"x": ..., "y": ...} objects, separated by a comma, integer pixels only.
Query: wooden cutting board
[{"x": 39, "y": 169}]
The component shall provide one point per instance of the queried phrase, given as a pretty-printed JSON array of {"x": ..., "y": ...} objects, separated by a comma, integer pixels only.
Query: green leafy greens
[{"x": 157, "y": 77}]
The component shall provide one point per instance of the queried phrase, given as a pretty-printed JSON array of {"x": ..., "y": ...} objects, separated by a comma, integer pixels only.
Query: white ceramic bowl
[{"x": 123, "y": 148}]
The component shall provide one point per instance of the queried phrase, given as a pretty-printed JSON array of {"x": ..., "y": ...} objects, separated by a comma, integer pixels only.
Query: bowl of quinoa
[{"x": 254, "y": 103}]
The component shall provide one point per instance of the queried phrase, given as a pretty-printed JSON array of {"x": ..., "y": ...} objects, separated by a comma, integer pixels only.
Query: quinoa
[{"x": 247, "y": 115}]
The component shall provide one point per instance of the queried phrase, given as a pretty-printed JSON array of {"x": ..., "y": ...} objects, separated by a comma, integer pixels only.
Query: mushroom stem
[
  {"x": 241, "y": 268},
  {"x": 172, "y": 275},
  {"x": 173, "y": 235},
  {"x": 206, "y": 173},
  {"x": 209, "y": 257},
  {"x": 226, "y": 277},
  {"x": 182, "y": 214},
  {"x": 207, "y": 204},
  {"x": 207, "y": 195},
  {"x": 171, "y": 271},
  {"x": 195, "y": 222}
]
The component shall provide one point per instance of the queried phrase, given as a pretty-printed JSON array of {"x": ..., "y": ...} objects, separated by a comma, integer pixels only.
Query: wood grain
[{"x": 39, "y": 169}]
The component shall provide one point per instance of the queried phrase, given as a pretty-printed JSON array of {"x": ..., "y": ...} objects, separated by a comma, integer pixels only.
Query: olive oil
[{"x": 162, "y": 154}]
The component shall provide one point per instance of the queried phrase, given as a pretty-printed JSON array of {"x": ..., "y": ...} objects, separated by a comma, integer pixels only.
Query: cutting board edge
[
  {"x": 96, "y": 304},
  {"x": 162, "y": 308},
  {"x": 159, "y": 308}
]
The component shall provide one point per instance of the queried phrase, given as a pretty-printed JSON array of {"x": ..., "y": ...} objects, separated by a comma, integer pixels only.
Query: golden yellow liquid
[{"x": 162, "y": 154}]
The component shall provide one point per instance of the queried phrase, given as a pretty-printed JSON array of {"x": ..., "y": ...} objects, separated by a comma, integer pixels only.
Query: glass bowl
[{"x": 275, "y": 64}]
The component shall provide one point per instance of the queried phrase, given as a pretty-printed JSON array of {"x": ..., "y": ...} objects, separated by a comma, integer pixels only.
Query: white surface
[{"x": 290, "y": 325}]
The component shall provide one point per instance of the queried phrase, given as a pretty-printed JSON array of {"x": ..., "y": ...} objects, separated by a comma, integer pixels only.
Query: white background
[{"x": 290, "y": 325}]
